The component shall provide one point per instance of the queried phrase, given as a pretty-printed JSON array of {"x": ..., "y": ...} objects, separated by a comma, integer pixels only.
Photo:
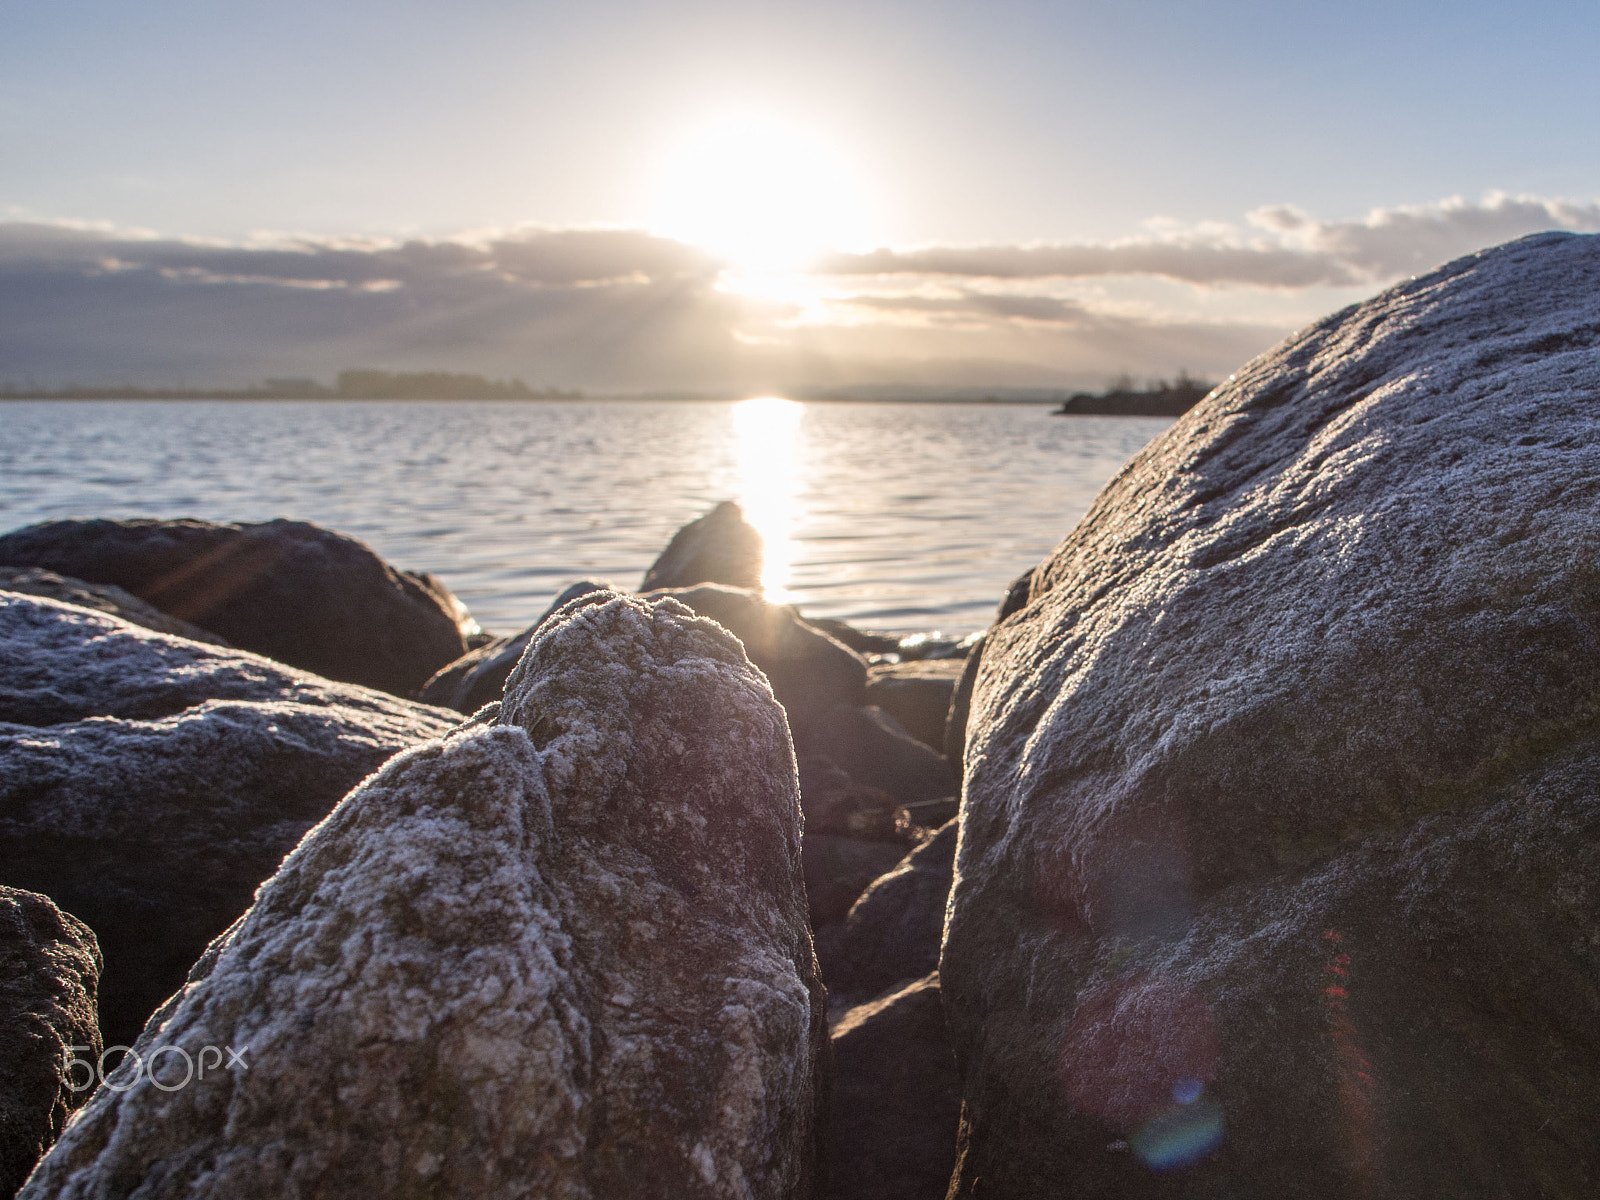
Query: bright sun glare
[
  {"x": 767, "y": 434},
  {"x": 761, "y": 193}
]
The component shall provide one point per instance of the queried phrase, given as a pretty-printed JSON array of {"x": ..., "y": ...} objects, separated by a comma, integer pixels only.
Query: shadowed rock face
[
  {"x": 562, "y": 952},
  {"x": 892, "y": 932},
  {"x": 148, "y": 783},
  {"x": 48, "y": 967},
  {"x": 720, "y": 547},
  {"x": 897, "y": 1100},
  {"x": 1282, "y": 804},
  {"x": 303, "y": 595}
]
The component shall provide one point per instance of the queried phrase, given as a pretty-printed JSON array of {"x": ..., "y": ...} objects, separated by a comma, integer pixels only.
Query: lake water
[{"x": 896, "y": 517}]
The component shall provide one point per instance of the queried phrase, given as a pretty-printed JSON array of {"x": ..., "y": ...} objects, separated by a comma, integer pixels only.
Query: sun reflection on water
[{"x": 768, "y": 432}]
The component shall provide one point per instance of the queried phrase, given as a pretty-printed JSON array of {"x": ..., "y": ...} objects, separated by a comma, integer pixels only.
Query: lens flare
[{"x": 768, "y": 439}]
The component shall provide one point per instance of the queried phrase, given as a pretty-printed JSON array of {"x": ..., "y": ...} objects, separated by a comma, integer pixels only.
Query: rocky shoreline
[{"x": 1251, "y": 852}]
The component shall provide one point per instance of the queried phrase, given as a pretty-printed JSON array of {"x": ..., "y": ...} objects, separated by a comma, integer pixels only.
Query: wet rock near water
[
  {"x": 563, "y": 951},
  {"x": 1282, "y": 811},
  {"x": 290, "y": 590},
  {"x": 720, "y": 547},
  {"x": 49, "y": 965},
  {"x": 149, "y": 783}
]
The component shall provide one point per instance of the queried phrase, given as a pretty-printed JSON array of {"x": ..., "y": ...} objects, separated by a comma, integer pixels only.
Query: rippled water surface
[{"x": 899, "y": 517}]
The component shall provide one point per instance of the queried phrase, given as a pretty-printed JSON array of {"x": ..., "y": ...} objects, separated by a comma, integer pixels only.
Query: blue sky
[{"x": 953, "y": 124}]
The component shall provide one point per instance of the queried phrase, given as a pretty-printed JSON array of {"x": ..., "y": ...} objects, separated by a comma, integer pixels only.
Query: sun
[{"x": 761, "y": 193}]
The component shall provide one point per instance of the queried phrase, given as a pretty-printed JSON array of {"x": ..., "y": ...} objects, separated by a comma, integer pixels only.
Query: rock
[
  {"x": 808, "y": 670},
  {"x": 923, "y": 647},
  {"x": 955, "y": 721},
  {"x": 860, "y": 640},
  {"x": 562, "y": 952},
  {"x": 838, "y": 869},
  {"x": 892, "y": 932},
  {"x": 916, "y": 694},
  {"x": 1282, "y": 814},
  {"x": 835, "y": 803},
  {"x": 479, "y": 676},
  {"x": 148, "y": 783},
  {"x": 720, "y": 547},
  {"x": 104, "y": 597},
  {"x": 295, "y": 592},
  {"x": 48, "y": 967},
  {"x": 876, "y": 751},
  {"x": 897, "y": 1098}
]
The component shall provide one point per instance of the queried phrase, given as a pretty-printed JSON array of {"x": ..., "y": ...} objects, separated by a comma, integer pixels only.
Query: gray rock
[
  {"x": 48, "y": 967},
  {"x": 862, "y": 641},
  {"x": 1282, "y": 813},
  {"x": 148, "y": 783},
  {"x": 834, "y": 803},
  {"x": 897, "y": 1098},
  {"x": 304, "y": 595},
  {"x": 479, "y": 676},
  {"x": 562, "y": 952},
  {"x": 873, "y": 748},
  {"x": 917, "y": 694},
  {"x": 720, "y": 547},
  {"x": 892, "y": 932},
  {"x": 808, "y": 670},
  {"x": 104, "y": 597},
  {"x": 954, "y": 744},
  {"x": 838, "y": 869}
]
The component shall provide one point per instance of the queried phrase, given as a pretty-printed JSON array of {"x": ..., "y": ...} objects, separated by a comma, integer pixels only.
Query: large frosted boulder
[
  {"x": 562, "y": 952},
  {"x": 149, "y": 783},
  {"x": 296, "y": 592},
  {"x": 1277, "y": 873},
  {"x": 48, "y": 967}
]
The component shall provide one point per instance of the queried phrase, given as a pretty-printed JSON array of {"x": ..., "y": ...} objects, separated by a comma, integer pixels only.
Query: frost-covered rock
[
  {"x": 479, "y": 676},
  {"x": 107, "y": 597},
  {"x": 148, "y": 783},
  {"x": 298, "y": 593},
  {"x": 1281, "y": 827},
  {"x": 48, "y": 967},
  {"x": 560, "y": 953},
  {"x": 720, "y": 547}
]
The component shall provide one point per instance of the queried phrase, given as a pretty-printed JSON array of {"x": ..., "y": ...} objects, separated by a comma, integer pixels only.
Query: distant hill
[{"x": 1122, "y": 400}]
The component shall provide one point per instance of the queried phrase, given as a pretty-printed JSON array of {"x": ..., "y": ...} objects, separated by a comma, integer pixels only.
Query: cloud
[
  {"x": 610, "y": 309},
  {"x": 1284, "y": 249}
]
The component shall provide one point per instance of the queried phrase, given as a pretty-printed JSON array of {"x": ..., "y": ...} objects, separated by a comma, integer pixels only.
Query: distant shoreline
[{"x": 120, "y": 394}]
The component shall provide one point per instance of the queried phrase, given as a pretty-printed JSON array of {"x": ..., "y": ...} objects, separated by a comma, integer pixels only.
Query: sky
[{"x": 632, "y": 196}]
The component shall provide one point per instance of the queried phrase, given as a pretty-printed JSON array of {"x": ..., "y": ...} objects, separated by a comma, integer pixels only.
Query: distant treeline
[
  {"x": 1122, "y": 399},
  {"x": 350, "y": 385}
]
